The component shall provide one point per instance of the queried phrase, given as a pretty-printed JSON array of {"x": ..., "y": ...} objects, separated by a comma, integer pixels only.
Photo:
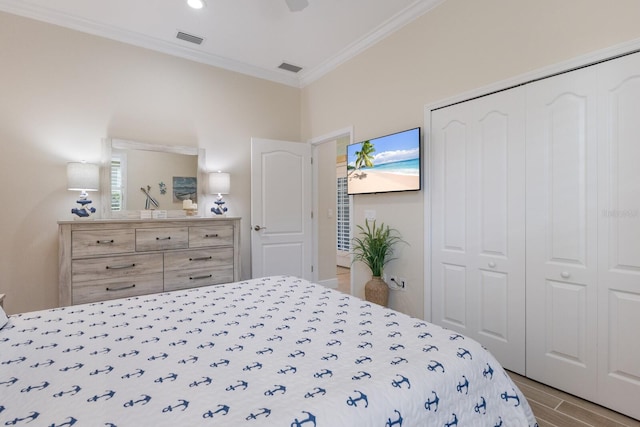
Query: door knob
[
  {"x": 258, "y": 228},
  {"x": 492, "y": 264},
  {"x": 565, "y": 274}
]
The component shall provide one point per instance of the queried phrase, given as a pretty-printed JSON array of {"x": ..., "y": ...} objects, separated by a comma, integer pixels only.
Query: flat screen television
[{"x": 385, "y": 164}]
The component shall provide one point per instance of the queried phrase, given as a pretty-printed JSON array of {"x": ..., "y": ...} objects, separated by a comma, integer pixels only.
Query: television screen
[{"x": 385, "y": 164}]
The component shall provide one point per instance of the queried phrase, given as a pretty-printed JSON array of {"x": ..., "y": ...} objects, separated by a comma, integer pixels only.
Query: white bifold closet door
[
  {"x": 562, "y": 231},
  {"x": 568, "y": 146},
  {"x": 619, "y": 234},
  {"x": 478, "y": 228}
]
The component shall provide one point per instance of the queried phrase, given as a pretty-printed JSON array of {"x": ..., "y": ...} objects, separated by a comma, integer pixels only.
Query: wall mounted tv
[{"x": 385, "y": 164}]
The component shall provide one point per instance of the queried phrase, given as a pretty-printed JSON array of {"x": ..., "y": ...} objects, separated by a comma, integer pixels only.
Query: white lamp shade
[
  {"x": 83, "y": 176},
  {"x": 219, "y": 183}
]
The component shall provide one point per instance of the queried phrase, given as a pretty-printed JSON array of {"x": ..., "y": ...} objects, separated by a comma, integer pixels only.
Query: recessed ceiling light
[
  {"x": 196, "y": 4},
  {"x": 297, "y": 5}
]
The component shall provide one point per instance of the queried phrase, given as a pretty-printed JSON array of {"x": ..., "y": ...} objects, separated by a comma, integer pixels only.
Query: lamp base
[
  {"x": 220, "y": 209},
  {"x": 84, "y": 211}
]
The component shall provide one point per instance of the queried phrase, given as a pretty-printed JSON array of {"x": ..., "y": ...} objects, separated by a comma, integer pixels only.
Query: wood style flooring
[
  {"x": 555, "y": 408},
  {"x": 552, "y": 408},
  {"x": 344, "y": 279}
]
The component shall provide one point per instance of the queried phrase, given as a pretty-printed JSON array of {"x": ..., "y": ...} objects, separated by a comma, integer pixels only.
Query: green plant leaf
[{"x": 374, "y": 245}]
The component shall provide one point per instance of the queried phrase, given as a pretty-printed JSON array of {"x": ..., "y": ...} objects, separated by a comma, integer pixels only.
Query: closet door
[
  {"x": 561, "y": 232},
  {"x": 478, "y": 223},
  {"x": 619, "y": 234}
]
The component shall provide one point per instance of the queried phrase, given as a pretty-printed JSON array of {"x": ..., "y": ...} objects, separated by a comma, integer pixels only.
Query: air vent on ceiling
[
  {"x": 289, "y": 67},
  {"x": 189, "y": 38}
]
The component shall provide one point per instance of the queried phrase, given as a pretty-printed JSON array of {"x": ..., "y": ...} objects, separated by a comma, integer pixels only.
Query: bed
[{"x": 275, "y": 351}]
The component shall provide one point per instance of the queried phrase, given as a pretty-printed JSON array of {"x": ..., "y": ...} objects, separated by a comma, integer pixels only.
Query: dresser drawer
[
  {"x": 182, "y": 279},
  {"x": 215, "y": 235},
  {"x": 202, "y": 258},
  {"x": 188, "y": 269},
  {"x": 120, "y": 287},
  {"x": 102, "y": 242},
  {"x": 160, "y": 239},
  {"x": 91, "y": 269}
]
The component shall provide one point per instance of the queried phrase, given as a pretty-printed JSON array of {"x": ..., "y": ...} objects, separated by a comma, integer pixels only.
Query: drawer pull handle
[
  {"x": 163, "y": 238},
  {"x": 209, "y": 276},
  {"x": 103, "y": 242},
  {"x": 211, "y": 235},
  {"x": 121, "y": 289},
  {"x": 120, "y": 267},
  {"x": 204, "y": 258}
]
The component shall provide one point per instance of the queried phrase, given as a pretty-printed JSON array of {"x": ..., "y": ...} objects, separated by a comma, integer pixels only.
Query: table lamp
[
  {"x": 83, "y": 177},
  {"x": 219, "y": 183}
]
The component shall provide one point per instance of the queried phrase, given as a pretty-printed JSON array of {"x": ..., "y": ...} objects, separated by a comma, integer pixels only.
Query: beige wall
[
  {"x": 62, "y": 91},
  {"x": 459, "y": 46}
]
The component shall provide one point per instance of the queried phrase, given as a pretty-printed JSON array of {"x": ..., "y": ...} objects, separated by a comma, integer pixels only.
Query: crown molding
[
  {"x": 136, "y": 39},
  {"x": 415, "y": 10}
]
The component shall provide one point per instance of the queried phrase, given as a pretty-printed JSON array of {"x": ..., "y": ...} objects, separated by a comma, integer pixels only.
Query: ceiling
[{"x": 248, "y": 36}]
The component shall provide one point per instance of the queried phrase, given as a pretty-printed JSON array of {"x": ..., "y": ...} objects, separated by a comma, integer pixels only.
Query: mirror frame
[{"x": 108, "y": 144}]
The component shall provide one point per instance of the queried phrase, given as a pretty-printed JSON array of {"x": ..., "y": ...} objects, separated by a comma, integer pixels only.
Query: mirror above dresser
[{"x": 136, "y": 176}]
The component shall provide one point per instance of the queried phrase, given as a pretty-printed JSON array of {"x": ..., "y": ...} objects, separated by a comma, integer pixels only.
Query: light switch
[{"x": 329, "y": 213}]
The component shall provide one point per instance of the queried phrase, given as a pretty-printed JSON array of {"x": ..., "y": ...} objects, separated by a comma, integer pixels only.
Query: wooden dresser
[{"x": 106, "y": 259}]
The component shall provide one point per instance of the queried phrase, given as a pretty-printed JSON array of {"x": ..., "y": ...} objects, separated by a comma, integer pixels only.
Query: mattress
[{"x": 275, "y": 351}]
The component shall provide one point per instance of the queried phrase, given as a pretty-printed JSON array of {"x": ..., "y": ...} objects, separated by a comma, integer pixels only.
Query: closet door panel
[
  {"x": 449, "y": 238},
  {"x": 567, "y": 318},
  {"x": 494, "y": 184},
  {"x": 619, "y": 234},
  {"x": 496, "y": 214},
  {"x": 566, "y": 144},
  {"x": 478, "y": 222},
  {"x": 562, "y": 232},
  {"x": 494, "y": 294},
  {"x": 454, "y": 299},
  {"x": 454, "y": 187}
]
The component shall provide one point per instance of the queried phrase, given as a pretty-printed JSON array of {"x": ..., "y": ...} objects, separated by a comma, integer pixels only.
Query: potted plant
[{"x": 374, "y": 247}]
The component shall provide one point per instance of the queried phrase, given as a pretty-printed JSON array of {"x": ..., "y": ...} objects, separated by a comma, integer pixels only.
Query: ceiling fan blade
[{"x": 297, "y": 5}]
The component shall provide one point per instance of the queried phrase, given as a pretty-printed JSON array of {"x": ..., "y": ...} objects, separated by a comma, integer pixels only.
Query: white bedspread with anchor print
[{"x": 277, "y": 351}]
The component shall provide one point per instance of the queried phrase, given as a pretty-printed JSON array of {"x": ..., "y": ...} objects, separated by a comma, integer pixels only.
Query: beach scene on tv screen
[{"x": 388, "y": 163}]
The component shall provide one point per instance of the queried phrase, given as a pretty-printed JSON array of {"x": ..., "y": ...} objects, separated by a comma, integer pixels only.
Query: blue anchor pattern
[{"x": 271, "y": 351}]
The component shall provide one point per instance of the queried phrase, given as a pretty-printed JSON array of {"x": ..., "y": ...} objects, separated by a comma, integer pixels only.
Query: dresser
[{"x": 106, "y": 259}]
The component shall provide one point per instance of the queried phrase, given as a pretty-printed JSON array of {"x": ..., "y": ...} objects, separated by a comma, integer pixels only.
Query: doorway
[{"x": 332, "y": 211}]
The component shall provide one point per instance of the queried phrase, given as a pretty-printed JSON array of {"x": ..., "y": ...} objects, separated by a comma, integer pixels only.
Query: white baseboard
[{"x": 329, "y": 283}]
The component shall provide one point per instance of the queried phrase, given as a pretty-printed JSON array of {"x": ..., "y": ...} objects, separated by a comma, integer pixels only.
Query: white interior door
[
  {"x": 619, "y": 234},
  {"x": 478, "y": 220},
  {"x": 562, "y": 231},
  {"x": 280, "y": 208}
]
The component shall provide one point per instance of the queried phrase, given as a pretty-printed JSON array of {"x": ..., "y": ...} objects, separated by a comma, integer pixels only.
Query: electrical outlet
[{"x": 395, "y": 283}]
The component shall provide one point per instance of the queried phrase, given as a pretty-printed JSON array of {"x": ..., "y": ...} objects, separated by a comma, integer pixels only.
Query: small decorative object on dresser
[
  {"x": 106, "y": 259},
  {"x": 189, "y": 207}
]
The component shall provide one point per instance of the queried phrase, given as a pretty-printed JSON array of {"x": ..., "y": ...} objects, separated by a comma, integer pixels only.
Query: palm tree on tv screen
[{"x": 364, "y": 157}]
